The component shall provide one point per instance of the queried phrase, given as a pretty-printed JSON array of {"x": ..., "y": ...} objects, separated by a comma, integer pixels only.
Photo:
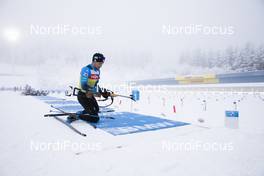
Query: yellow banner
[{"x": 197, "y": 79}]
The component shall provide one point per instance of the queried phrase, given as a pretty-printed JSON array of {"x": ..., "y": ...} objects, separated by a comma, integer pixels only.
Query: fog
[{"x": 140, "y": 39}]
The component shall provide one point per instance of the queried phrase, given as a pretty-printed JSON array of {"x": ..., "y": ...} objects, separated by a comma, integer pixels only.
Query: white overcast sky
[{"x": 134, "y": 26}]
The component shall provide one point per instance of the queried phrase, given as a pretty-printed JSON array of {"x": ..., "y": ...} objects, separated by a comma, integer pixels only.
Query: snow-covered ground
[{"x": 210, "y": 145}]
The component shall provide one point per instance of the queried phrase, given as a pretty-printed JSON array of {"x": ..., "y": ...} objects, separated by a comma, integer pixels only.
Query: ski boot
[{"x": 71, "y": 118}]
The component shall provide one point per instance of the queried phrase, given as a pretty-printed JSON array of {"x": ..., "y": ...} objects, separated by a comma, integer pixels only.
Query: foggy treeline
[{"x": 232, "y": 59}]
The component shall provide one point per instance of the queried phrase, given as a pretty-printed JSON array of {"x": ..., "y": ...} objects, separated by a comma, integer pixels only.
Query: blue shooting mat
[
  {"x": 128, "y": 123},
  {"x": 56, "y": 101},
  {"x": 70, "y": 108},
  {"x": 48, "y": 98},
  {"x": 65, "y": 105},
  {"x": 61, "y": 102},
  {"x": 123, "y": 122}
]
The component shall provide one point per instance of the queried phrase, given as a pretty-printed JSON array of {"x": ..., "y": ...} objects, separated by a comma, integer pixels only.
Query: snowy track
[{"x": 33, "y": 145}]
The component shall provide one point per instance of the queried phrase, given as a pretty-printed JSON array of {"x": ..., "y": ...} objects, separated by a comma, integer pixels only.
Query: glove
[{"x": 105, "y": 93}]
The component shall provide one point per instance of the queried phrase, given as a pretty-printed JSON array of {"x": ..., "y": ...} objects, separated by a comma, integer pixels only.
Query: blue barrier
[{"x": 245, "y": 77}]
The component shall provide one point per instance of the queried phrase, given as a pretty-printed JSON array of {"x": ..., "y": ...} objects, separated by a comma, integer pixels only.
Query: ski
[
  {"x": 59, "y": 114},
  {"x": 72, "y": 114},
  {"x": 70, "y": 126},
  {"x": 75, "y": 114},
  {"x": 110, "y": 110},
  {"x": 104, "y": 111},
  {"x": 68, "y": 114}
]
